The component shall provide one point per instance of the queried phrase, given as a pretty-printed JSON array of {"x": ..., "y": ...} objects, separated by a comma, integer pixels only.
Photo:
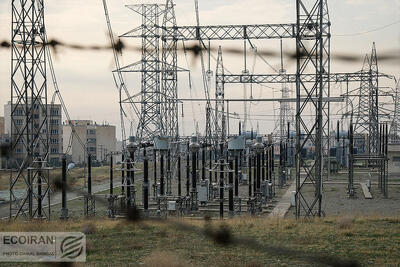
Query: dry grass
[
  {"x": 345, "y": 222},
  {"x": 164, "y": 259},
  {"x": 75, "y": 177},
  {"x": 372, "y": 241}
]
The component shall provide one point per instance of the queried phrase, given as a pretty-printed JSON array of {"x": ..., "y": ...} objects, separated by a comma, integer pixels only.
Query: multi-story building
[
  {"x": 2, "y": 130},
  {"x": 100, "y": 140},
  {"x": 4, "y": 140},
  {"x": 53, "y": 131}
]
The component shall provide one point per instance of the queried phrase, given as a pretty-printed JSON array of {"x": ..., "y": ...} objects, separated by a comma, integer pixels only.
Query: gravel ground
[{"x": 336, "y": 202}]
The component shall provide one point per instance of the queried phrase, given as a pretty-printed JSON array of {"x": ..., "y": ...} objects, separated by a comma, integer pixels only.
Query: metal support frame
[
  {"x": 228, "y": 32},
  {"x": 90, "y": 206},
  {"x": 169, "y": 174},
  {"x": 150, "y": 120},
  {"x": 220, "y": 131},
  {"x": 193, "y": 192},
  {"x": 29, "y": 113},
  {"x": 383, "y": 166},
  {"x": 250, "y": 172},
  {"x": 230, "y": 190},
  {"x": 169, "y": 74},
  {"x": 145, "y": 185},
  {"x": 367, "y": 115},
  {"x": 162, "y": 176},
  {"x": 312, "y": 49},
  {"x": 395, "y": 125},
  {"x": 287, "y": 78},
  {"x": 187, "y": 170},
  {"x": 89, "y": 199},
  {"x": 111, "y": 198},
  {"x": 179, "y": 174},
  {"x": 350, "y": 185},
  {"x": 64, "y": 209}
]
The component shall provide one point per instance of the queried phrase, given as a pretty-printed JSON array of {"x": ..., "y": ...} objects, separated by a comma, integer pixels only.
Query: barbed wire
[{"x": 392, "y": 55}]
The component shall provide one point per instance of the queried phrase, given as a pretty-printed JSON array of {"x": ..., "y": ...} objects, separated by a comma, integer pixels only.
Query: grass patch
[{"x": 369, "y": 240}]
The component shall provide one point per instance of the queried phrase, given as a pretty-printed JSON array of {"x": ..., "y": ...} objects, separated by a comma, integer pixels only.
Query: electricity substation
[{"x": 216, "y": 172}]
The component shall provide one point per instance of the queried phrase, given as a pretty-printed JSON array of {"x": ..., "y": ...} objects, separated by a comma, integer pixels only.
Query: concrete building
[
  {"x": 99, "y": 138},
  {"x": 394, "y": 159},
  {"x": 54, "y": 131},
  {"x": 3, "y": 139},
  {"x": 2, "y": 130}
]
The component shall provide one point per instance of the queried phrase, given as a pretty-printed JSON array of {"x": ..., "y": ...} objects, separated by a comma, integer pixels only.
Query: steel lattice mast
[
  {"x": 150, "y": 121},
  {"x": 220, "y": 132},
  {"x": 285, "y": 110},
  {"x": 29, "y": 114},
  {"x": 367, "y": 120},
  {"x": 169, "y": 74},
  {"x": 395, "y": 125},
  {"x": 313, "y": 30}
]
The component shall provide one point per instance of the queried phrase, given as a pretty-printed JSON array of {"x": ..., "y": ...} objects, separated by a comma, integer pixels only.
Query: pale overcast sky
[{"x": 85, "y": 78}]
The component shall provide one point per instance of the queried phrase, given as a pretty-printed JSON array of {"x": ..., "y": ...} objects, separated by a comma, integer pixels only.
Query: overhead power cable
[{"x": 365, "y": 32}]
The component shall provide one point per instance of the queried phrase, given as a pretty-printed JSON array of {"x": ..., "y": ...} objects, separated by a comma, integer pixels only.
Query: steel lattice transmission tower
[
  {"x": 29, "y": 115},
  {"x": 367, "y": 115},
  {"x": 395, "y": 125},
  {"x": 285, "y": 109},
  {"x": 312, "y": 49},
  {"x": 169, "y": 74},
  {"x": 220, "y": 133},
  {"x": 150, "y": 120}
]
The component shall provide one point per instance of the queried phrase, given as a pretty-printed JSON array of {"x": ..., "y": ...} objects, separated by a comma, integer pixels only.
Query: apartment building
[
  {"x": 51, "y": 135},
  {"x": 100, "y": 139},
  {"x": 2, "y": 130}
]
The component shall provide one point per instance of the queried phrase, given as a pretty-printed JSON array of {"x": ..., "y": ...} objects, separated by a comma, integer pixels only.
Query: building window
[
  {"x": 91, "y": 140},
  {"x": 54, "y": 141},
  {"x": 19, "y": 150},
  {"x": 54, "y": 122},
  {"x": 396, "y": 161},
  {"x": 54, "y": 150},
  {"x": 19, "y": 112},
  {"x": 91, "y": 131},
  {"x": 54, "y": 112},
  {"x": 54, "y": 131},
  {"x": 92, "y": 149},
  {"x": 19, "y": 122}
]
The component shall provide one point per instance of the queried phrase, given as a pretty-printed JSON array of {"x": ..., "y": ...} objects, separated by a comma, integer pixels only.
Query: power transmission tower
[
  {"x": 285, "y": 110},
  {"x": 220, "y": 103},
  {"x": 29, "y": 112},
  {"x": 150, "y": 98},
  {"x": 367, "y": 115},
  {"x": 312, "y": 49},
  {"x": 395, "y": 125},
  {"x": 169, "y": 74}
]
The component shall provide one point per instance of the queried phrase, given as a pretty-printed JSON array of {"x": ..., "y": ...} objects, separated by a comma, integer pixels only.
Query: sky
[{"x": 85, "y": 78}]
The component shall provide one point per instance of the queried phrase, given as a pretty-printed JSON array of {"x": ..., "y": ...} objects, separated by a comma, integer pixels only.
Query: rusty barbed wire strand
[{"x": 392, "y": 55}]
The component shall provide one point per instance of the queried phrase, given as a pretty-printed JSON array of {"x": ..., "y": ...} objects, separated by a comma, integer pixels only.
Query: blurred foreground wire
[{"x": 391, "y": 56}]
